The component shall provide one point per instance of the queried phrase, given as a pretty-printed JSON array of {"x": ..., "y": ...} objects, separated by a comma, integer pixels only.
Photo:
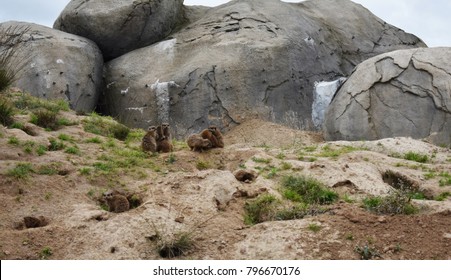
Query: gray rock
[
  {"x": 120, "y": 26},
  {"x": 243, "y": 60},
  {"x": 59, "y": 65},
  {"x": 401, "y": 93}
]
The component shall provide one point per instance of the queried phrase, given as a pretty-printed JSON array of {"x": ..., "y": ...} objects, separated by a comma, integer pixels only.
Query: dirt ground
[{"x": 197, "y": 194}]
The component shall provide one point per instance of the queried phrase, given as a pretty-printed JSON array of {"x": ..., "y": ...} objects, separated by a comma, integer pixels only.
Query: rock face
[
  {"x": 59, "y": 65},
  {"x": 246, "y": 59},
  {"x": 121, "y": 26},
  {"x": 401, "y": 93}
]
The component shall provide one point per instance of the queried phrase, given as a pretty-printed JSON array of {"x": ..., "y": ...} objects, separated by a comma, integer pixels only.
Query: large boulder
[
  {"x": 58, "y": 65},
  {"x": 401, "y": 93},
  {"x": 120, "y": 26},
  {"x": 246, "y": 59}
]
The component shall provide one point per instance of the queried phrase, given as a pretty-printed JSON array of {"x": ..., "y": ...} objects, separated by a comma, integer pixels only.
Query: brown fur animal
[
  {"x": 149, "y": 142},
  {"x": 213, "y": 134},
  {"x": 163, "y": 132},
  {"x": 164, "y": 139},
  {"x": 164, "y": 146},
  {"x": 117, "y": 203},
  {"x": 197, "y": 143}
]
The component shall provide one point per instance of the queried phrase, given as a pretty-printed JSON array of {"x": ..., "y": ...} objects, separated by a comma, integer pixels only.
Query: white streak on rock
[
  {"x": 166, "y": 48},
  {"x": 162, "y": 94},
  {"x": 59, "y": 61},
  {"x": 140, "y": 109},
  {"x": 323, "y": 93},
  {"x": 124, "y": 91}
]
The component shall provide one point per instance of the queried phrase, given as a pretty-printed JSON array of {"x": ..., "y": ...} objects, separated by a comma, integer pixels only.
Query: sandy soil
[{"x": 198, "y": 195}]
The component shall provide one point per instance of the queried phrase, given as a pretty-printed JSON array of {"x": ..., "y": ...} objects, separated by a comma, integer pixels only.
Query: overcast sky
[{"x": 429, "y": 20}]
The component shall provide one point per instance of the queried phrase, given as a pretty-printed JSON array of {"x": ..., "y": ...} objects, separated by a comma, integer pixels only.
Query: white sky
[{"x": 429, "y": 20}]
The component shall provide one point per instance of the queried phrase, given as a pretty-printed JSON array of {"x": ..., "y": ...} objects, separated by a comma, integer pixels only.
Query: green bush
[
  {"x": 10, "y": 63},
  {"x": 6, "y": 112},
  {"x": 260, "y": 209},
  {"x": 307, "y": 190},
  {"x": 105, "y": 126},
  {"x": 416, "y": 157},
  {"x": 45, "y": 118},
  {"x": 21, "y": 171},
  {"x": 397, "y": 202}
]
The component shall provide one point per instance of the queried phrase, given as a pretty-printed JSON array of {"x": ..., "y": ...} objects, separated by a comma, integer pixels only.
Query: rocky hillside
[
  {"x": 383, "y": 199},
  {"x": 195, "y": 66}
]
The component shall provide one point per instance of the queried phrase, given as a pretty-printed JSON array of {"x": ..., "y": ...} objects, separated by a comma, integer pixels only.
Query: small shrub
[
  {"x": 297, "y": 211},
  {"x": 307, "y": 190},
  {"x": 272, "y": 173},
  {"x": 261, "y": 160},
  {"x": 445, "y": 179},
  {"x": 202, "y": 165},
  {"x": 6, "y": 112},
  {"x": 65, "y": 137},
  {"x": 13, "y": 140},
  {"x": 41, "y": 149},
  {"x": 21, "y": 171},
  {"x": 46, "y": 252},
  {"x": 443, "y": 196},
  {"x": 50, "y": 169},
  {"x": 105, "y": 126},
  {"x": 17, "y": 125},
  {"x": 85, "y": 171},
  {"x": 314, "y": 227},
  {"x": 397, "y": 202},
  {"x": 95, "y": 140},
  {"x": 260, "y": 209},
  {"x": 28, "y": 146},
  {"x": 416, "y": 157},
  {"x": 281, "y": 156},
  {"x": 177, "y": 246},
  {"x": 286, "y": 166},
  {"x": 366, "y": 252},
  {"x": 45, "y": 118},
  {"x": 55, "y": 145},
  {"x": 11, "y": 63},
  {"x": 72, "y": 150},
  {"x": 171, "y": 159}
]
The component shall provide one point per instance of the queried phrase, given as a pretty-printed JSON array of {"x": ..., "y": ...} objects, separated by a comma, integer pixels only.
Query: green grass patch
[
  {"x": 307, "y": 190},
  {"x": 95, "y": 140},
  {"x": 105, "y": 126},
  {"x": 7, "y": 112},
  {"x": 73, "y": 150},
  {"x": 13, "y": 140},
  {"x": 443, "y": 196},
  {"x": 260, "y": 209},
  {"x": 21, "y": 171},
  {"x": 55, "y": 145},
  {"x": 202, "y": 165},
  {"x": 397, "y": 202},
  {"x": 445, "y": 179},
  {"x": 412, "y": 156},
  {"x": 314, "y": 227},
  {"x": 328, "y": 151},
  {"x": 261, "y": 160},
  {"x": 45, "y": 118}
]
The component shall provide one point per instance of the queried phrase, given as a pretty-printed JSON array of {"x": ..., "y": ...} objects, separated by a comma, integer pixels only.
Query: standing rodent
[
  {"x": 213, "y": 134},
  {"x": 164, "y": 139},
  {"x": 197, "y": 143},
  {"x": 149, "y": 142},
  {"x": 117, "y": 203}
]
